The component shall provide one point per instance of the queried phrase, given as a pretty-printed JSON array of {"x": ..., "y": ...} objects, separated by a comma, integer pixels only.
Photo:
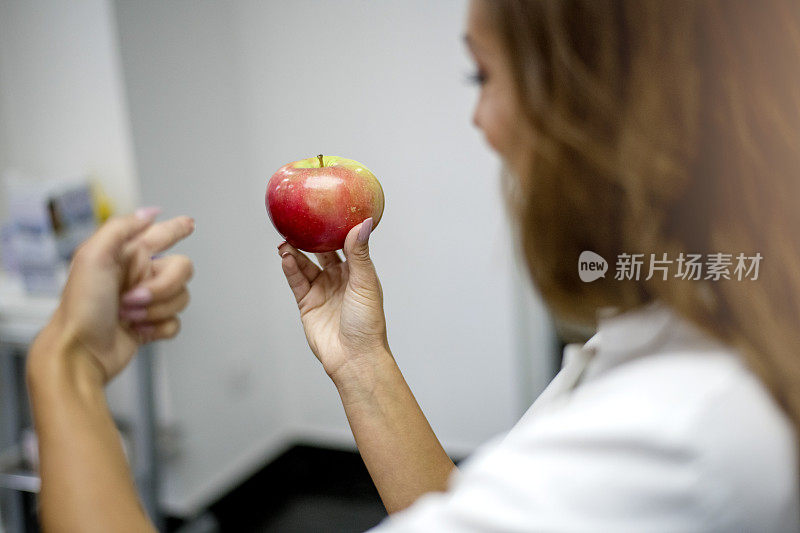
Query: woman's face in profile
[{"x": 495, "y": 113}]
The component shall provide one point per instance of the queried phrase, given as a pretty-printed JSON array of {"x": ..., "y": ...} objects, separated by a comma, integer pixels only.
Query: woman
[{"x": 665, "y": 129}]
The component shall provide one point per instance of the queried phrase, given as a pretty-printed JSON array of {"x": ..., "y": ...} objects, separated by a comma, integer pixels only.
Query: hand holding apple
[
  {"x": 341, "y": 306},
  {"x": 314, "y": 202}
]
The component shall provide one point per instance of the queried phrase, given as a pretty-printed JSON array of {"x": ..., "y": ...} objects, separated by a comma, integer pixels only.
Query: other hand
[{"x": 118, "y": 296}]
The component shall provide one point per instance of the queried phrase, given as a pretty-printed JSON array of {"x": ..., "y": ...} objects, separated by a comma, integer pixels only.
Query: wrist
[
  {"x": 361, "y": 376},
  {"x": 57, "y": 360}
]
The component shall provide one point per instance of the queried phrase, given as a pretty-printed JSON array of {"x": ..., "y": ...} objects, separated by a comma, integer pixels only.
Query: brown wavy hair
[{"x": 664, "y": 127}]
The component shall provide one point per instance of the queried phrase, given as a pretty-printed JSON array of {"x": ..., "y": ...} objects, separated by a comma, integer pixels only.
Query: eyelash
[{"x": 476, "y": 78}]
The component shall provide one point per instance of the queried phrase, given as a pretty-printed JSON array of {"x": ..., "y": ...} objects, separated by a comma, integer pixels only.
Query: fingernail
[
  {"x": 137, "y": 296},
  {"x": 281, "y": 244},
  {"x": 147, "y": 212},
  {"x": 366, "y": 228},
  {"x": 133, "y": 314},
  {"x": 192, "y": 222}
]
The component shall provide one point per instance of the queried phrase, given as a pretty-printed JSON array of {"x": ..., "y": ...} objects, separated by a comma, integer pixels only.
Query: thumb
[{"x": 356, "y": 251}]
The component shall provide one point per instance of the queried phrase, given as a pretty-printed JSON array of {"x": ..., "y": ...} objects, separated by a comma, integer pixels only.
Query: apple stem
[{"x": 321, "y": 164}]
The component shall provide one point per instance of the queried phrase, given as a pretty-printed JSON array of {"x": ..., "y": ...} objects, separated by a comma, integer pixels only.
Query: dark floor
[
  {"x": 323, "y": 513},
  {"x": 306, "y": 489}
]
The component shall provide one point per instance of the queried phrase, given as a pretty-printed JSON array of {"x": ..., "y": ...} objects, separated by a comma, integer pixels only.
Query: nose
[{"x": 475, "y": 117}]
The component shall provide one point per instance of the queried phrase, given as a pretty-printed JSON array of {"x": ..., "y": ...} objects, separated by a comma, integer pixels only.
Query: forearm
[
  {"x": 86, "y": 482},
  {"x": 397, "y": 444}
]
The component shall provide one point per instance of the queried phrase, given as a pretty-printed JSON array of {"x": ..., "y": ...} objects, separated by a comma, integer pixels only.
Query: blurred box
[{"x": 47, "y": 221}]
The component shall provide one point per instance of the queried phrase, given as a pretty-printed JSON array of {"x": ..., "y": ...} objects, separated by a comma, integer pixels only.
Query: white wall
[
  {"x": 61, "y": 98},
  {"x": 3, "y": 154},
  {"x": 229, "y": 390}
]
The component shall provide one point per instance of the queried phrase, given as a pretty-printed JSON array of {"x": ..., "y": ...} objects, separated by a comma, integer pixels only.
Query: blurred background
[{"x": 192, "y": 105}]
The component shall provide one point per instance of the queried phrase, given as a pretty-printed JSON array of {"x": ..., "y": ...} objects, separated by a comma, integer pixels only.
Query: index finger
[
  {"x": 164, "y": 235},
  {"x": 114, "y": 233}
]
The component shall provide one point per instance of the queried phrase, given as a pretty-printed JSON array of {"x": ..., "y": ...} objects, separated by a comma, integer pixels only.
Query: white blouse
[{"x": 651, "y": 426}]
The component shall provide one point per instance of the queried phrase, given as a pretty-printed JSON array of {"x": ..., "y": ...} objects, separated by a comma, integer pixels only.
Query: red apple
[{"x": 315, "y": 202}]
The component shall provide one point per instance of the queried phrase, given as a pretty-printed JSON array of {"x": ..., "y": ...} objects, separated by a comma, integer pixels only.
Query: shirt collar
[{"x": 652, "y": 328}]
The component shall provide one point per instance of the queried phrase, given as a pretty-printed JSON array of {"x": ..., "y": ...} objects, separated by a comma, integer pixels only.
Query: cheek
[{"x": 495, "y": 118}]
